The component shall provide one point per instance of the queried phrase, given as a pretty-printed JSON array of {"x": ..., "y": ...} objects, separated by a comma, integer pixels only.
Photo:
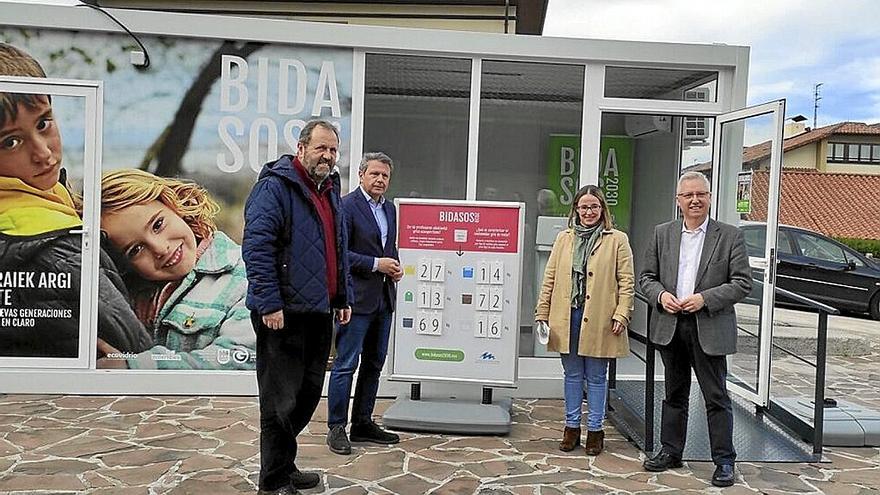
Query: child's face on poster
[
  {"x": 30, "y": 146},
  {"x": 154, "y": 239}
]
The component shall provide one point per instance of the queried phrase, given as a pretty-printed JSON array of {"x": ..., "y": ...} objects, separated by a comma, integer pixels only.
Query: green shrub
[{"x": 862, "y": 245}]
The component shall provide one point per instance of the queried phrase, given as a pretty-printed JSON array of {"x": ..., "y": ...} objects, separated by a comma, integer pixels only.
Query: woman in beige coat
[{"x": 586, "y": 298}]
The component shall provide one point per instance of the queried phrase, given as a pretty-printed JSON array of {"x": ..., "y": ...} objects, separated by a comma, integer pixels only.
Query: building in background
[{"x": 487, "y": 16}]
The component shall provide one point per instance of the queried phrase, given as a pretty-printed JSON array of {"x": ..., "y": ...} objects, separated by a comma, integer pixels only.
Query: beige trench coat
[{"x": 609, "y": 295}]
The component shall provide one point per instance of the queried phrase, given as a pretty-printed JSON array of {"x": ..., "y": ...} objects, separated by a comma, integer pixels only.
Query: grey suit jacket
[{"x": 723, "y": 278}]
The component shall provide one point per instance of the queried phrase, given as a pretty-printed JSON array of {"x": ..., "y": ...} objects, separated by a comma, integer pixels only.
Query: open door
[
  {"x": 50, "y": 145},
  {"x": 747, "y": 140}
]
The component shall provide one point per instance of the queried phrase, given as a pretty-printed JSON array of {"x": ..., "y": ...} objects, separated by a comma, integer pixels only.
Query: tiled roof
[
  {"x": 760, "y": 151},
  {"x": 835, "y": 204}
]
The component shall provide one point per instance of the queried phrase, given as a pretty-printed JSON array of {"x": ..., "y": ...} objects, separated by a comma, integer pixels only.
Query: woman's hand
[{"x": 617, "y": 327}]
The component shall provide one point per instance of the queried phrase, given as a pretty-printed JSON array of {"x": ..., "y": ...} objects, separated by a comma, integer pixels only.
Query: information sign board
[{"x": 457, "y": 315}]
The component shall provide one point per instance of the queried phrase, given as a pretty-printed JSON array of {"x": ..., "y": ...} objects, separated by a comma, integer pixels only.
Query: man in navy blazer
[{"x": 375, "y": 269}]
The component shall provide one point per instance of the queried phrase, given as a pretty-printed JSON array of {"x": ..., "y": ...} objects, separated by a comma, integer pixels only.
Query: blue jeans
[
  {"x": 580, "y": 369},
  {"x": 364, "y": 338}
]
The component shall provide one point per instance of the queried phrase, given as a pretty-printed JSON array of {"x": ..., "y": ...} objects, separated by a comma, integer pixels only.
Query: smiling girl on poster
[{"x": 187, "y": 278}]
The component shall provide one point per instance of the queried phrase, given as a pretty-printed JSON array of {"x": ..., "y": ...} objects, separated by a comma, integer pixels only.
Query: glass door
[
  {"x": 49, "y": 153},
  {"x": 750, "y": 140}
]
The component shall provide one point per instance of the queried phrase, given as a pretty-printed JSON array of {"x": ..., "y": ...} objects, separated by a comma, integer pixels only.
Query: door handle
[{"x": 83, "y": 230}]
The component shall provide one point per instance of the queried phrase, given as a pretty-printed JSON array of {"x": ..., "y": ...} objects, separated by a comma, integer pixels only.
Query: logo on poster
[
  {"x": 223, "y": 356},
  {"x": 240, "y": 356}
]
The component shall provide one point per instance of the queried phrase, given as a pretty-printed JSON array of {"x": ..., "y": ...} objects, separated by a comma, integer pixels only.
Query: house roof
[
  {"x": 835, "y": 204},
  {"x": 761, "y": 151}
]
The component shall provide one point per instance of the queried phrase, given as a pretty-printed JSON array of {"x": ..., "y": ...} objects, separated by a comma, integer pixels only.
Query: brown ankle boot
[
  {"x": 595, "y": 442},
  {"x": 571, "y": 438}
]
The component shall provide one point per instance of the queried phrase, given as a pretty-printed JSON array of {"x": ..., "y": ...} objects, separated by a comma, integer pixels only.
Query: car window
[
  {"x": 755, "y": 238},
  {"x": 818, "y": 248}
]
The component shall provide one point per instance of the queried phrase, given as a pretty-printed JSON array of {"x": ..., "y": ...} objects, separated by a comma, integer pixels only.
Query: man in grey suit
[{"x": 696, "y": 269}]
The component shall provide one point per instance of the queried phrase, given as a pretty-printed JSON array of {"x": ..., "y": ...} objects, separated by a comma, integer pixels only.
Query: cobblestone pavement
[{"x": 174, "y": 445}]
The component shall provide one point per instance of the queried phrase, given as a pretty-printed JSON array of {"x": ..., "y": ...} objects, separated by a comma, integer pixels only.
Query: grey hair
[
  {"x": 306, "y": 134},
  {"x": 378, "y": 156},
  {"x": 694, "y": 175}
]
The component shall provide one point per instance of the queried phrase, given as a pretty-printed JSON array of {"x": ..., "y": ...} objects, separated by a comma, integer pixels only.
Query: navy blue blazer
[{"x": 364, "y": 245}]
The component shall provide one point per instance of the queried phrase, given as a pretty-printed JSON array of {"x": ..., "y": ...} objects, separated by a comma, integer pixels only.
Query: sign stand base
[{"x": 449, "y": 416}]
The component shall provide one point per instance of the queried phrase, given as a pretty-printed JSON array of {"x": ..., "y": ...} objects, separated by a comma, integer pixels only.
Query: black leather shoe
[
  {"x": 338, "y": 441},
  {"x": 304, "y": 481},
  {"x": 661, "y": 462},
  {"x": 370, "y": 432},
  {"x": 723, "y": 475}
]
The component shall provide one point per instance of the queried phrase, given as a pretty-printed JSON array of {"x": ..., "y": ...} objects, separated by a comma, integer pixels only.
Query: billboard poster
[
  {"x": 462, "y": 262},
  {"x": 183, "y": 143},
  {"x": 615, "y": 174},
  {"x": 40, "y": 259}
]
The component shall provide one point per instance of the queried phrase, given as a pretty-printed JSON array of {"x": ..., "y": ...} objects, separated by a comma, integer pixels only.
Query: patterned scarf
[{"x": 584, "y": 240}]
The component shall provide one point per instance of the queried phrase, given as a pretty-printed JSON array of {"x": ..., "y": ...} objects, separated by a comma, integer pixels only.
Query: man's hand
[
  {"x": 617, "y": 327},
  {"x": 669, "y": 302},
  {"x": 274, "y": 321},
  {"x": 388, "y": 266},
  {"x": 692, "y": 303},
  {"x": 343, "y": 315}
]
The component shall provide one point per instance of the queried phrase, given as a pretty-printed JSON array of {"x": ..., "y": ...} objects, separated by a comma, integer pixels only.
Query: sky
[{"x": 794, "y": 44}]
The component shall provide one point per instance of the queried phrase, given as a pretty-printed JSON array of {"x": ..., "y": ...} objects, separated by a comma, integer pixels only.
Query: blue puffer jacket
[{"x": 283, "y": 245}]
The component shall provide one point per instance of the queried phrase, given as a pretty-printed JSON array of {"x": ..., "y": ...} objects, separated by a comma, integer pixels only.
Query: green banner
[{"x": 615, "y": 175}]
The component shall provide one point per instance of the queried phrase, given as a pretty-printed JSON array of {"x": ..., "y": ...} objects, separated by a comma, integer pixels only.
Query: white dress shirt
[
  {"x": 377, "y": 207},
  {"x": 689, "y": 258}
]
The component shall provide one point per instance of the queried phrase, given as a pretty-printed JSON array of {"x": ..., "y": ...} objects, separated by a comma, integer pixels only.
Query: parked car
[{"x": 818, "y": 267}]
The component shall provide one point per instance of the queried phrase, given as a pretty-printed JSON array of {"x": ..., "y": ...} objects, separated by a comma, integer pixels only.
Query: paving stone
[
  {"x": 14, "y": 419},
  {"x": 88, "y": 446},
  {"x": 840, "y": 461},
  {"x": 492, "y": 469},
  {"x": 34, "y": 439},
  {"x": 417, "y": 444},
  {"x": 532, "y": 432},
  {"x": 201, "y": 462},
  {"x": 586, "y": 488},
  {"x": 614, "y": 464},
  {"x": 7, "y": 448},
  {"x": 185, "y": 441},
  {"x": 205, "y": 424},
  {"x": 483, "y": 443},
  {"x": 238, "y": 450},
  {"x": 538, "y": 479},
  {"x": 154, "y": 430},
  {"x": 460, "y": 456},
  {"x": 82, "y": 402},
  {"x": 462, "y": 485},
  {"x": 407, "y": 483},
  {"x": 95, "y": 480},
  {"x": 237, "y": 432},
  {"x": 113, "y": 422},
  {"x": 767, "y": 478},
  {"x": 135, "y": 405},
  {"x": 867, "y": 477},
  {"x": 680, "y": 481},
  {"x": 372, "y": 467},
  {"x": 117, "y": 490},
  {"x": 831, "y": 488},
  {"x": 438, "y": 471},
  {"x": 54, "y": 466},
  {"x": 200, "y": 487},
  {"x": 320, "y": 457},
  {"x": 143, "y": 456},
  {"x": 54, "y": 482},
  {"x": 353, "y": 490},
  {"x": 139, "y": 475},
  {"x": 629, "y": 484}
]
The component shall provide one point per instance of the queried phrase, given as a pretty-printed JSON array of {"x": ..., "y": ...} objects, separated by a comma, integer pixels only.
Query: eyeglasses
[
  {"x": 589, "y": 208},
  {"x": 692, "y": 195}
]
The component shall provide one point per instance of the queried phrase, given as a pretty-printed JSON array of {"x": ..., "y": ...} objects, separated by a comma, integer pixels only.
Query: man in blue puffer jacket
[{"x": 298, "y": 278}]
